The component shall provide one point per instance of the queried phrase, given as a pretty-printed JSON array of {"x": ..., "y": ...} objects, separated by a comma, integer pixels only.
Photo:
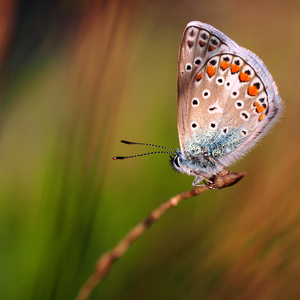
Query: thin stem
[{"x": 105, "y": 262}]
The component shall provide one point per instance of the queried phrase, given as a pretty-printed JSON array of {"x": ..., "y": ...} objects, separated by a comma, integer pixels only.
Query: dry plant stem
[{"x": 104, "y": 264}]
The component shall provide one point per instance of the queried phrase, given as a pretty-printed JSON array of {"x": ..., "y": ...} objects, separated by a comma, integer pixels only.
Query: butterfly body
[{"x": 227, "y": 100}]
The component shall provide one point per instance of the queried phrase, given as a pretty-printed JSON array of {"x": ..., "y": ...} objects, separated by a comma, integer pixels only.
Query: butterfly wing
[
  {"x": 226, "y": 96},
  {"x": 197, "y": 46}
]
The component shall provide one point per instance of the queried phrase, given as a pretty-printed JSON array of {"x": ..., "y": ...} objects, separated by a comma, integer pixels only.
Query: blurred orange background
[{"x": 79, "y": 76}]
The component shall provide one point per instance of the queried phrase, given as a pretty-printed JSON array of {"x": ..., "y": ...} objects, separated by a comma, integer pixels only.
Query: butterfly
[{"x": 227, "y": 100}]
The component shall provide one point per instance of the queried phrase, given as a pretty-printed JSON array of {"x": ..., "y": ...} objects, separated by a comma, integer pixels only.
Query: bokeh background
[{"x": 76, "y": 77}]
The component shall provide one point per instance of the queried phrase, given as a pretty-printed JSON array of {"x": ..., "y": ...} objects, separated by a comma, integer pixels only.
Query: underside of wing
[
  {"x": 199, "y": 42},
  {"x": 226, "y": 95}
]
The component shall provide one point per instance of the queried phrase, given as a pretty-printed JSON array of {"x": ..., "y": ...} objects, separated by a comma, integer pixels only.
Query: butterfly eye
[{"x": 176, "y": 161}]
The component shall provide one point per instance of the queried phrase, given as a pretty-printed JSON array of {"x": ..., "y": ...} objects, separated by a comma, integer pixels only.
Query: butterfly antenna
[
  {"x": 144, "y": 144},
  {"x": 125, "y": 157}
]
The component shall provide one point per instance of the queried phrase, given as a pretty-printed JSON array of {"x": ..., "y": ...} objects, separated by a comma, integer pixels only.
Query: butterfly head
[
  {"x": 202, "y": 165},
  {"x": 179, "y": 163}
]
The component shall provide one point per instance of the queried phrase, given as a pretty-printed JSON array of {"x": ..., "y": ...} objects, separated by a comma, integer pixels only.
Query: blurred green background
[{"x": 79, "y": 76}]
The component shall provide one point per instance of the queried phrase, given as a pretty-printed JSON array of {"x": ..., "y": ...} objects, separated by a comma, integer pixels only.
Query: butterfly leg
[{"x": 207, "y": 182}]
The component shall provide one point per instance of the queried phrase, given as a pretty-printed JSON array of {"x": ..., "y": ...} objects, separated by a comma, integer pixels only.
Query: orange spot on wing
[
  {"x": 211, "y": 71},
  {"x": 199, "y": 76},
  {"x": 235, "y": 68},
  {"x": 255, "y": 103},
  {"x": 252, "y": 90},
  {"x": 261, "y": 117},
  {"x": 202, "y": 43},
  {"x": 211, "y": 48},
  {"x": 259, "y": 109},
  {"x": 224, "y": 65},
  {"x": 244, "y": 77}
]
